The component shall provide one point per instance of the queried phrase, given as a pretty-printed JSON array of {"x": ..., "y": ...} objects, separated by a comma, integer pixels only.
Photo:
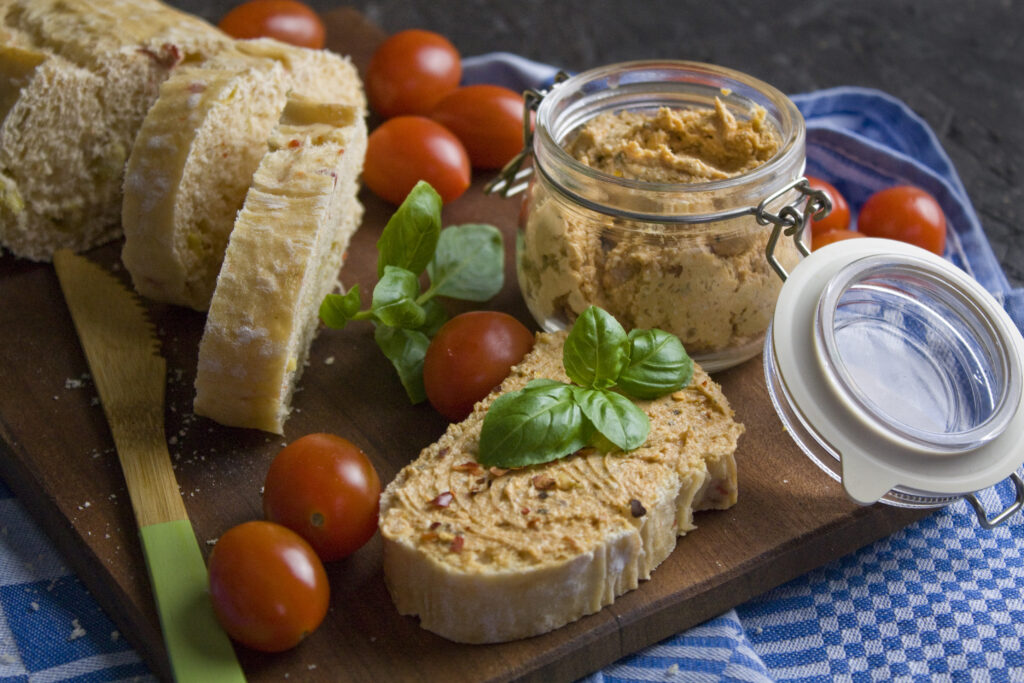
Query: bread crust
[{"x": 483, "y": 556}]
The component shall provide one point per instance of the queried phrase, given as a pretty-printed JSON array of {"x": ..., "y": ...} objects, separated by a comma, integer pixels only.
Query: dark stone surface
[{"x": 958, "y": 63}]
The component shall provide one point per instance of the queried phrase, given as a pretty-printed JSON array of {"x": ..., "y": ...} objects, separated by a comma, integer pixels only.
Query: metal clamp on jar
[{"x": 685, "y": 256}]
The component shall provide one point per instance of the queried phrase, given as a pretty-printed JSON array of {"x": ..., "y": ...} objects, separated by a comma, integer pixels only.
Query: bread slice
[
  {"x": 484, "y": 556},
  {"x": 283, "y": 257},
  {"x": 76, "y": 80},
  {"x": 193, "y": 159}
]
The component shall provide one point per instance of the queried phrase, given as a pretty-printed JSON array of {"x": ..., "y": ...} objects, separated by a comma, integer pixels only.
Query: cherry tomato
[
  {"x": 406, "y": 149},
  {"x": 821, "y": 239},
  {"x": 268, "y": 587},
  {"x": 905, "y": 213},
  {"x": 838, "y": 218},
  {"x": 289, "y": 21},
  {"x": 469, "y": 356},
  {"x": 325, "y": 489},
  {"x": 410, "y": 72},
  {"x": 488, "y": 119}
]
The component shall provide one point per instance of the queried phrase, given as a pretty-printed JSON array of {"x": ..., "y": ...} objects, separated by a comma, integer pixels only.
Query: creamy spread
[{"x": 708, "y": 283}]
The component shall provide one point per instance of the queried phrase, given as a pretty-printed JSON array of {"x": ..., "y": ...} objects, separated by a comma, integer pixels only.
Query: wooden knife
[{"x": 130, "y": 375}]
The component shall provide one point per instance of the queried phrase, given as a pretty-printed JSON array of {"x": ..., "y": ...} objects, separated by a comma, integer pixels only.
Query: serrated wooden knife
[{"x": 130, "y": 375}]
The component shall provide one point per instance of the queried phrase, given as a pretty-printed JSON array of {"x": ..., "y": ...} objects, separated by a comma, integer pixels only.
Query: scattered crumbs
[
  {"x": 311, "y": 667},
  {"x": 72, "y": 383},
  {"x": 173, "y": 440},
  {"x": 329, "y": 360},
  {"x": 785, "y": 481},
  {"x": 672, "y": 671},
  {"x": 211, "y": 541},
  {"x": 34, "y": 605},
  {"x": 86, "y": 504},
  {"x": 94, "y": 401},
  {"x": 56, "y": 398},
  {"x": 76, "y": 630},
  {"x": 758, "y": 630}
]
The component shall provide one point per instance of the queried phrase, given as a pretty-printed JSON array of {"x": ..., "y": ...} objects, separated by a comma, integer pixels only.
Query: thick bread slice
[
  {"x": 76, "y": 80},
  {"x": 283, "y": 257},
  {"x": 193, "y": 160},
  {"x": 518, "y": 553}
]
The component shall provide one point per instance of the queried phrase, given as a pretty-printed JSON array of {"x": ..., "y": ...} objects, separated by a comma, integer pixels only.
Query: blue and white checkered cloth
[{"x": 942, "y": 599}]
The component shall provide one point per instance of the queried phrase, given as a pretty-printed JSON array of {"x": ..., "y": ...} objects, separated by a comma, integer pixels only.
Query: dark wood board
[{"x": 58, "y": 456}]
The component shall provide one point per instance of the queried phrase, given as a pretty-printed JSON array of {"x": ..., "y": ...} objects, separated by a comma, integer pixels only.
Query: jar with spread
[{"x": 650, "y": 185}]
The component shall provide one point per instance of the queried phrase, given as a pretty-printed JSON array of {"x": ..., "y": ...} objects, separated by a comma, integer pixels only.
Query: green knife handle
[{"x": 198, "y": 648}]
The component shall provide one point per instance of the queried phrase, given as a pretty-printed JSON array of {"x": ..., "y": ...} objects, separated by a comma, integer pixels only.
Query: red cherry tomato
[
  {"x": 820, "y": 240},
  {"x": 469, "y": 356},
  {"x": 838, "y": 218},
  {"x": 905, "y": 213},
  {"x": 289, "y": 21},
  {"x": 410, "y": 72},
  {"x": 488, "y": 119},
  {"x": 269, "y": 589},
  {"x": 325, "y": 489},
  {"x": 406, "y": 149}
]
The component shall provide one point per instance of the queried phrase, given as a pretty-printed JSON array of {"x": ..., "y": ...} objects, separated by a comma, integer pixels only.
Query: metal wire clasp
[
  {"x": 511, "y": 180},
  {"x": 790, "y": 220}
]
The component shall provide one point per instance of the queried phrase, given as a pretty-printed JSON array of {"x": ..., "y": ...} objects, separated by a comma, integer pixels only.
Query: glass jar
[{"x": 686, "y": 257}]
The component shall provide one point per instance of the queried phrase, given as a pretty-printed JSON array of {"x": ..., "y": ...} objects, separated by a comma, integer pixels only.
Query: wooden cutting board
[{"x": 58, "y": 456}]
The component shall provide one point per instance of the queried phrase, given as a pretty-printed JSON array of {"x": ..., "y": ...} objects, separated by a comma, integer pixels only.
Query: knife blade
[{"x": 121, "y": 348}]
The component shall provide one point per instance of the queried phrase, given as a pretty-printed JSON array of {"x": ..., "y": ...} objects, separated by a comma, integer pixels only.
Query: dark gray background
[{"x": 958, "y": 63}]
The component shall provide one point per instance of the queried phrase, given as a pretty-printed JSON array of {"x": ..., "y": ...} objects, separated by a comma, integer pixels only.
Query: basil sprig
[
  {"x": 461, "y": 262},
  {"x": 548, "y": 420}
]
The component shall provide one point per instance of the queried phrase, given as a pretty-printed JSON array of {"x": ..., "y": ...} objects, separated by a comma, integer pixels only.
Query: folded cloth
[{"x": 942, "y": 598}]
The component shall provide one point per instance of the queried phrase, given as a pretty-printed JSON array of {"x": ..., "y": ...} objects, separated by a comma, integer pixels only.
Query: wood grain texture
[{"x": 58, "y": 456}]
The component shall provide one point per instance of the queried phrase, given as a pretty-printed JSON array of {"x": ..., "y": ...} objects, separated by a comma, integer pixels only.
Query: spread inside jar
[{"x": 708, "y": 283}]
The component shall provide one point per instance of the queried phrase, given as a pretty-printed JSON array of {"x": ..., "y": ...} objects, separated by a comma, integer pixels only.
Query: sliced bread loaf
[
  {"x": 283, "y": 257},
  {"x": 194, "y": 158},
  {"x": 76, "y": 80},
  {"x": 484, "y": 555}
]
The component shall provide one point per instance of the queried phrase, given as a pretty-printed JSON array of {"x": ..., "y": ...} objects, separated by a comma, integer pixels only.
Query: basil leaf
[
  {"x": 337, "y": 309},
  {"x": 658, "y": 365},
  {"x": 616, "y": 417},
  {"x": 411, "y": 234},
  {"x": 436, "y": 316},
  {"x": 534, "y": 425},
  {"x": 469, "y": 262},
  {"x": 406, "y": 350},
  {"x": 596, "y": 349},
  {"x": 394, "y": 299}
]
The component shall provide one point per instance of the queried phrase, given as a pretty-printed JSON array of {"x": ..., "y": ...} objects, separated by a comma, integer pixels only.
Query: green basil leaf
[
  {"x": 596, "y": 349},
  {"x": 337, "y": 309},
  {"x": 658, "y": 365},
  {"x": 616, "y": 417},
  {"x": 535, "y": 425},
  {"x": 437, "y": 316},
  {"x": 406, "y": 350},
  {"x": 469, "y": 262},
  {"x": 411, "y": 234},
  {"x": 394, "y": 299}
]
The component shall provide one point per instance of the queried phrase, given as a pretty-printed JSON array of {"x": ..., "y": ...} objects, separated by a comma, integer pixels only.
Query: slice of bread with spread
[
  {"x": 193, "y": 160},
  {"x": 76, "y": 80},
  {"x": 283, "y": 257},
  {"x": 485, "y": 555}
]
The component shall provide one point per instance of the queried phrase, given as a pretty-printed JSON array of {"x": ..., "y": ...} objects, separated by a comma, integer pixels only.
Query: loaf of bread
[
  {"x": 76, "y": 80},
  {"x": 282, "y": 258},
  {"x": 193, "y": 160},
  {"x": 486, "y": 555}
]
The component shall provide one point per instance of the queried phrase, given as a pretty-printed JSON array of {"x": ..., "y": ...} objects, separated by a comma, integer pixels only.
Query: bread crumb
[
  {"x": 76, "y": 631},
  {"x": 329, "y": 360}
]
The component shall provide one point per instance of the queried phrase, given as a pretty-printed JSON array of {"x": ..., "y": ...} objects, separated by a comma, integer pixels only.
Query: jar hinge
[
  {"x": 511, "y": 179},
  {"x": 1014, "y": 507},
  {"x": 790, "y": 220}
]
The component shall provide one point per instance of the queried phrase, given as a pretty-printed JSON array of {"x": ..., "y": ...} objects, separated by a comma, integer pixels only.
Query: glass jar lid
[{"x": 898, "y": 374}]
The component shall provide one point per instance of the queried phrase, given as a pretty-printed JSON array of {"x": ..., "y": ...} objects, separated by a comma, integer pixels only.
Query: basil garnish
[
  {"x": 461, "y": 262},
  {"x": 548, "y": 420}
]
